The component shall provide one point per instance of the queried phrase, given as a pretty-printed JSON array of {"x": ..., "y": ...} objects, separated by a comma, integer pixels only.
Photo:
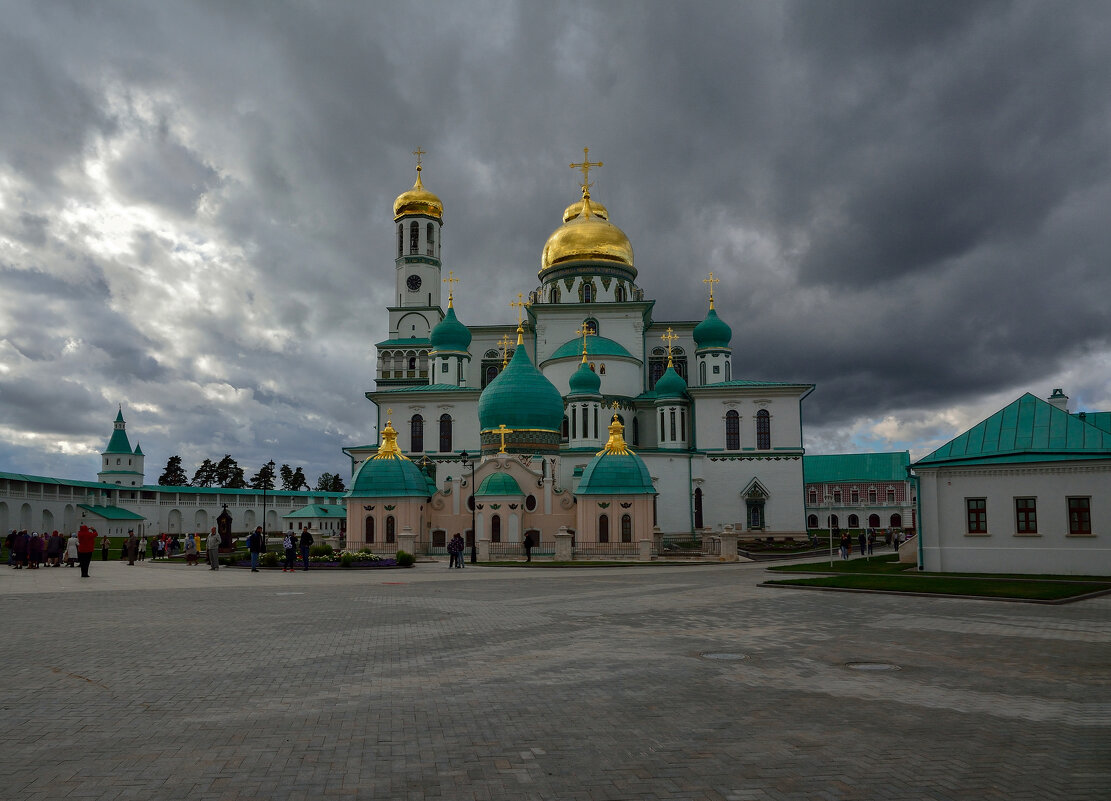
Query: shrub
[
  {"x": 346, "y": 560},
  {"x": 321, "y": 550},
  {"x": 270, "y": 559},
  {"x": 405, "y": 559}
]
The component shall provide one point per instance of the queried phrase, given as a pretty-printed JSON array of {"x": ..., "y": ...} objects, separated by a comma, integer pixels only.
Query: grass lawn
[
  {"x": 889, "y": 564},
  {"x": 1030, "y": 589},
  {"x": 538, "y": 563}
]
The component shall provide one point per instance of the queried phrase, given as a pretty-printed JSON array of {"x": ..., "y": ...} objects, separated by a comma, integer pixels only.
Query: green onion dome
[
  {"x": 585, "y": 381},
  {"x": 389, "y": 473},
  {"x": 499, "y": 484},
  {"x": 670, "y": 385},
  {"x": 520, "y": 397},
  {"x": 712, "y": 332},
  {"x": 450, "y": 334},
  {"x": 616, "y": 470}
]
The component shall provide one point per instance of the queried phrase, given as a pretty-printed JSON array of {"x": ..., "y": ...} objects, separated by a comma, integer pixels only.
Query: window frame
[
  {"x": 1026, "y": 515},
  {"x": 976, "y": 516},
  {"x": 1079, "y": 527}
]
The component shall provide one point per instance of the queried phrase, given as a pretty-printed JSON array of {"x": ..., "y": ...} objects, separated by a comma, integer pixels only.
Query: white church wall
[
  {"x": 724, "y": 480},
  {"x": 621, "y": 377}
]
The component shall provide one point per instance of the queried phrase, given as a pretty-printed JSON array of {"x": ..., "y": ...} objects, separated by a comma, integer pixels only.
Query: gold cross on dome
[
  {"x": 711, "y": 281},
  {"x": 615, "y": 406},
  {"x": 583, "y": 332},
  {"x": 501, "y": 430},
  {"x": 418, "y": 153},
  {"x": 669, "y": 337},
  {"x": 585, "y": 167},
  {"x": 389, "y": 414},
  {"x": 504, "y": 343},
  {"x": 450, "y": 281}
]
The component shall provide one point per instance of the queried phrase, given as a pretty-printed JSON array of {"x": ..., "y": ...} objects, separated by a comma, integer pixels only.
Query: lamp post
[
  {"x": 268, "y": 479},
  {"x": 829, "y": 525},
  {"x": 463, "y": 458}
]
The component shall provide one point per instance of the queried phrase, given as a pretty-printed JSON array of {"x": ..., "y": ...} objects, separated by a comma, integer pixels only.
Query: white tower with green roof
[{"x": 119, "y": 463}]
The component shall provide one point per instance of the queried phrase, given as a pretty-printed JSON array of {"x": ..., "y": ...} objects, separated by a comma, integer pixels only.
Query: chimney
[{"x": 1059, "y": 399}]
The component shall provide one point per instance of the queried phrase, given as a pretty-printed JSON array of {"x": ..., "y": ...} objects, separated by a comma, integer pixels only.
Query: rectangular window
[
  {"x": 977, "y": 515},
  {"x": 1026, "y": 515},
  {"x": 855, "y": 495},
  {"x": 1080, "y": 516}
]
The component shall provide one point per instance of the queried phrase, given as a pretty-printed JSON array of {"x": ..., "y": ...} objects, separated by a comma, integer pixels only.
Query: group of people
[
  {"x": 32, "y": 550},
  {"x": 866, "y": 541},
  {"x": 291, "y": 544},
  {"x": 455, "y": 548}
]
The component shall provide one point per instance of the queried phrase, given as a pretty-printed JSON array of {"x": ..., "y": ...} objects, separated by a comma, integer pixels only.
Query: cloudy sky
[{"x": 907, "y": 203}]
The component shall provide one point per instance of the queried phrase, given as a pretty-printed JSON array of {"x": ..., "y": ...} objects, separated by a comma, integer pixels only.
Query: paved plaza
[{"x": 166, "y": 682}]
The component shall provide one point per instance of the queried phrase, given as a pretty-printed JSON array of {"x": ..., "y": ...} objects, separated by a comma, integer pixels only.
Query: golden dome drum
[
  {"x": 586, "y": 237},
  {"x": 418, "y": 200}
]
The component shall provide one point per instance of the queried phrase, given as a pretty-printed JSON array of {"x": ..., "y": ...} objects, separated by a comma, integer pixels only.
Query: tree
[
  {"x": 264, "y": 478},
  {"x": 229, "y": 474},
  {"x": 330, "y": 482},
  {"x": 299, "y": 482},
  {"x": 173, "y": 475},
  {"x": 286, "y": 472},
  {"x": 205, "y": 475}
]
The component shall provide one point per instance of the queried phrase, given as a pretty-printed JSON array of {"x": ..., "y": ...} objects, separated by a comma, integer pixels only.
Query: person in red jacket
[{"x": 86, "y": 544}]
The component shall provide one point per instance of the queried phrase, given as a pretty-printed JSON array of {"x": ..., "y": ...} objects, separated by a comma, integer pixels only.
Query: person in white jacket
[{"x": 212, "y": 550}]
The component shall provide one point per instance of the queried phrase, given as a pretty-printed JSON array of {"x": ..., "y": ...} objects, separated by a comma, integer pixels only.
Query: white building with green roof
[
  {"x": 720, "y": 448},
  {"x": 1028, "y": 490}
]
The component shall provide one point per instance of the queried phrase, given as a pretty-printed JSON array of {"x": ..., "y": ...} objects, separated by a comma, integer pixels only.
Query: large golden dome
[
  {"x": 586, "y": 237},
  {"x": 418, "y": 200},
  {"x": 575, "y": 209}
]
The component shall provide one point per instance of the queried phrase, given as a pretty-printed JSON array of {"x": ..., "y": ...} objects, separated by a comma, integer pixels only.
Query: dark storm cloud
[{"x": 905, "y": 201}]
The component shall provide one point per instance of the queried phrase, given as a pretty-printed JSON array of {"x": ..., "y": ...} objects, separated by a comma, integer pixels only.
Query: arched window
[
  {"x": 416, "y": 434},
  {"x": 400, "y": 239},
  {"x": 414, "y": 237},
  {"x": 588, "y": 293},
  {"x": 896, "y": 521},
  {"x": 370, "y": 529},
  {"x": 445, "y": 433},
  {"x": 430, "y": 235},
  {"x": 626, "y": 528},
  {"x": 495, "y": 528},
  {"x": 854, "y": 521},
  {"x": 833, "y": 521},
  {"x": 604, "y": 528},
  {"x": 636, "y": 430},
  {"x": 732, "y": 430},
  {"x": 554, "y": 295},
  {"x": 590, "y": 325},
  {"x": 763, "y": 430},
  {"x": 698, "y": 508},
  {"x": 412, "y": 362},
  {"x": 530, "y": 503},
  {"x": 565, "y": 433},
  {"x": 874, "y": 521},
  {"x": 391, "y": 529},
  {"x": 672, "y": 417},
  {"x": 702, "y": 374},
  {"x": 490, "y": 374},
  {"x": 619, "y": 294},
  {"x": 812, "y": 521}
]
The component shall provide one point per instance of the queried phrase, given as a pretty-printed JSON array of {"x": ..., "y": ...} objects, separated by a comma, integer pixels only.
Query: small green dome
[
  {"x": 585, "y": 381},
  {"x": 670, "y": 385},
  {"x": 616, "y": 470},
  {"x": 712, "y": 332},
  {"x": 499, "y": 484},
  {"x": 595, "y": 346},
  {"x": 390, "y": 473},
  {"x": 450, "y": 334},
  {"x": 520, "y": 397}
]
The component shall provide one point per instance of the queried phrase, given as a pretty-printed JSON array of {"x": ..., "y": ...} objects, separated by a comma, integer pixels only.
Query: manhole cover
[
  {"x": 722, "y": 656},
  {"x": 871, "y": 666}
]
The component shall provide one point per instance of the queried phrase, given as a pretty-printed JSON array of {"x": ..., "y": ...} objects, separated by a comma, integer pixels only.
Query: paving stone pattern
[{"x": 167, "y": 682}]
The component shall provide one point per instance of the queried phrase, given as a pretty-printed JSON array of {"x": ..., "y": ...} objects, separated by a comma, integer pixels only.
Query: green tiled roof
[
  {"x": 1101, "y": 420},
  {"x": 520, "y": 397},
  {"x": 118, "y": 443},
  {"x": 616, "y": 474},
  {"x": 584, "y": 381},
  {"x": 670, "y": 385},
  {"x": 1026, "y": 430},
  {"x": 110, "y": 512},
  {"x": 405, "y": 342},
  {"x": 427, "y": 388},
  {"x": 318, "y": 510},
  {"x": 499, "y": 484},
  {"x": 713, "y": 332},
  {"x": 595, "y": 346},
  {"x": 450, "y": 334},
  {"x": 390, "y": 477},
  {"x": 837, "y": 467}
]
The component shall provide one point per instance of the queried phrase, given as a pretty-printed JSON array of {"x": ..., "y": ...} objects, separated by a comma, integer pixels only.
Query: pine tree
[
  {"x": 205, "y": 475},
  {"x": 330, "y": 482},
  {"x": 173, "y": 475},
  {"x": 264, "y": 478},
  {"x": 286, "y": 472},
  {"x": 298, "y": 481},
  {"x": 229, "y": 474}
]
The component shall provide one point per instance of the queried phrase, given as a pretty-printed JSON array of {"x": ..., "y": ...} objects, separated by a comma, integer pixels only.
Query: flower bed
[{"x": 346, "y": 559}]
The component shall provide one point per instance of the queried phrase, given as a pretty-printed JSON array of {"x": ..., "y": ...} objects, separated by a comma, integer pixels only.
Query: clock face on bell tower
[{"x": 413, "y": 283}]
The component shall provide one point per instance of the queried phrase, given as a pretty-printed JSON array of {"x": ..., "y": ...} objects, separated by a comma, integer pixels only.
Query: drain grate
[{"x": 871, "y": 666}]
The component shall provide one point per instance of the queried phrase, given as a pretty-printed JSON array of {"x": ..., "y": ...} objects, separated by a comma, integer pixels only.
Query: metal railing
[{"x": 581, "y": 551}]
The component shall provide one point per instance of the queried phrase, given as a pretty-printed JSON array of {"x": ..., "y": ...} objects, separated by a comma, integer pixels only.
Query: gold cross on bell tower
[
  {"x": 451, "y": 280},
  {"x": 711, "y": 281},
  {"x": 519, "y": 304},
  {"x": 585, "y": 166},
  {"x": 669, "y": 337},
  {"x": 501, "y": 431}
]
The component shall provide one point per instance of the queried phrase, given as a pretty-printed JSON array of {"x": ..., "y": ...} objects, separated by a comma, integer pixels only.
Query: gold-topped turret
[
  {"x": 388, "y": 449},
  {"x": 418, "y": 200},
  {"x": 616, "y": 445}
]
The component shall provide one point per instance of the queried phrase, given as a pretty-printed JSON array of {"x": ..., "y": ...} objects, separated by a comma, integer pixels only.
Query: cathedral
[{"x": 588, "y": 415}]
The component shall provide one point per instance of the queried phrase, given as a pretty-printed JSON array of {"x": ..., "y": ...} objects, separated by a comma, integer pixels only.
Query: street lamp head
[
  {"x": 270, "y": 464},
  {"x": 463, "y": 455}
]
